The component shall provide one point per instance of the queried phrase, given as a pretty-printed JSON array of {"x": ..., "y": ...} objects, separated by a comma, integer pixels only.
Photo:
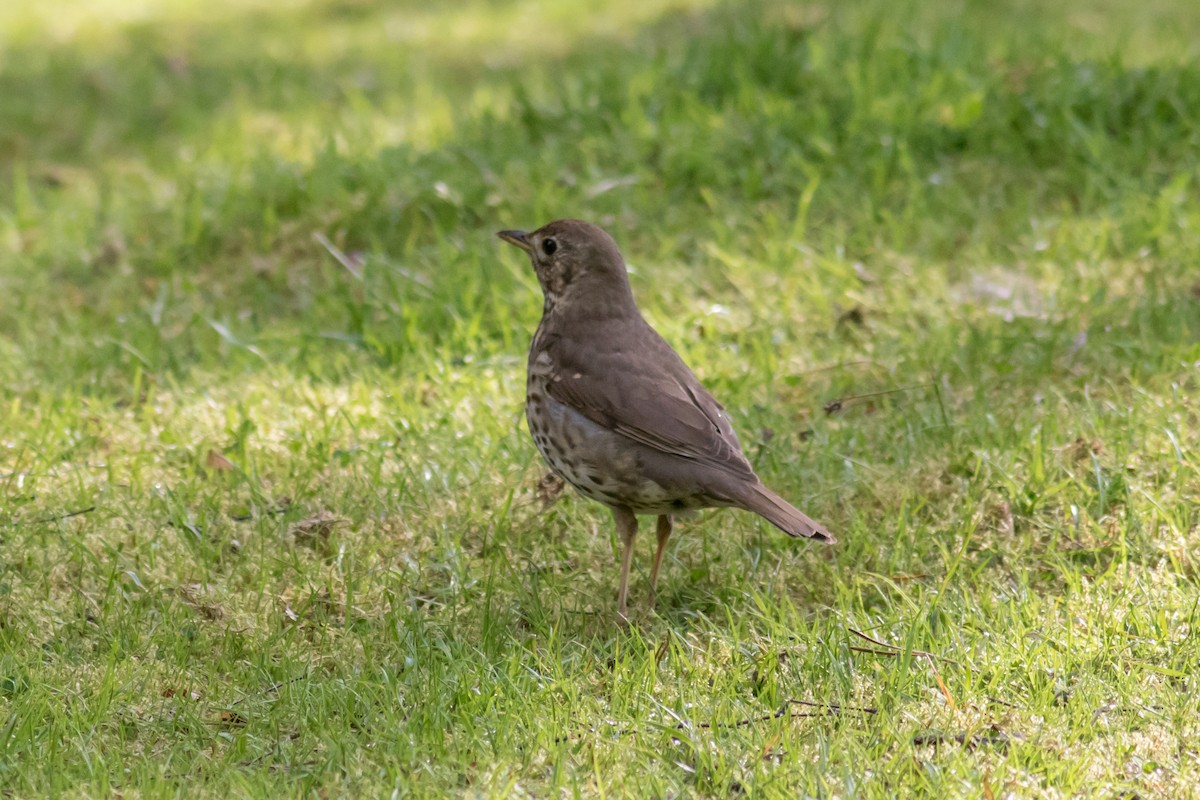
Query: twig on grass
[
  {"x": 839, "y": 404},
  {"x": 56, "y": 517},
  {"x": 892, "y": 650}
]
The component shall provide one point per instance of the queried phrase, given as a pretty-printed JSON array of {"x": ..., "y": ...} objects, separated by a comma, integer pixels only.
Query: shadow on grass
[{"x": 149, "y": 90}]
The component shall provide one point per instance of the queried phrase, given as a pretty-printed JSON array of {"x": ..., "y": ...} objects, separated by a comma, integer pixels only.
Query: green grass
[{"x": 311, "y": 557}]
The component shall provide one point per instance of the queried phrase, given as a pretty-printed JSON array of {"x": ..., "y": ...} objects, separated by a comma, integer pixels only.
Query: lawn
[{"x": 271, "y": 523}]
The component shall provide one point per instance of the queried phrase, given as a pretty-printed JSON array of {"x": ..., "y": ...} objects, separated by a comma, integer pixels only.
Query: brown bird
[{"x": 615, "y": 411}]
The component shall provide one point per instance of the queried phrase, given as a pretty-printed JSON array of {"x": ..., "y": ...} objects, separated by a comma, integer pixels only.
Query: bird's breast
[{"x": 602, "y": 464}]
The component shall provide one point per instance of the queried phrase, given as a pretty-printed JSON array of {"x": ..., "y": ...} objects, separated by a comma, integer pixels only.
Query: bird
[{"x": 614, "y": 410}]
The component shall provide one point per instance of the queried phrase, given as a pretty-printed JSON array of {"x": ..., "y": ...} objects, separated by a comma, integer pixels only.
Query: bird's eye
[{"x": 549, "y": 246}]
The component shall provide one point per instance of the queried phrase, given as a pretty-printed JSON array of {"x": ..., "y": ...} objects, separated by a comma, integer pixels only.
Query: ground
[{"x": 270, "y": 519}]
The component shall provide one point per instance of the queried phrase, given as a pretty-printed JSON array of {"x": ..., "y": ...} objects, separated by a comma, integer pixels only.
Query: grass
[{"x": 269, "y": 526}]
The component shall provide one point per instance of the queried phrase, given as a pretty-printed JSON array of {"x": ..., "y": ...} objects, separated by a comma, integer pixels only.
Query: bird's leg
[
  {"x": 664, "y": 533},
  {"x": 627, "y": 529}
]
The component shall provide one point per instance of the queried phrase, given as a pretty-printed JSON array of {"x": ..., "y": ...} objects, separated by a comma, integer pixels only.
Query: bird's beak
[{"x": 518, "y": 238}]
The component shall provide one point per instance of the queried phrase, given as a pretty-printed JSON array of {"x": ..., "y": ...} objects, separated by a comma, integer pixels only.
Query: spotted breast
[{"x": 602, "y": 464}]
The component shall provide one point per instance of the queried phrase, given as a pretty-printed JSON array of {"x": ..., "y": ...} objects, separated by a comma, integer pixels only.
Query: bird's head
[{"x": 576, "y": 263}]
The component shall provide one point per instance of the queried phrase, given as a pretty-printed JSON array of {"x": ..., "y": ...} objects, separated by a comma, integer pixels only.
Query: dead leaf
[
  {"x": 217, "y": 461},
  {"x": 209, "y": 612},
  {"x": 1083, "y": 449},
  {"x": 1005, "y": 519},
  {"x": 314, "y": 532},
  {"x": 193, "y": 594},
  {"x": 233, "y": 719},
  {"x": 549, "y": 489}
]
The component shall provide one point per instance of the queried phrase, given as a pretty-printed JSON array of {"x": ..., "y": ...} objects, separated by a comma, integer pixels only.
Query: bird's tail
[{"x": 782, "y": 514}]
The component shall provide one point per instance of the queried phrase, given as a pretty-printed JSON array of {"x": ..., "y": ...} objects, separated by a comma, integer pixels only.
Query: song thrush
[{"x": 615, "y": 411}]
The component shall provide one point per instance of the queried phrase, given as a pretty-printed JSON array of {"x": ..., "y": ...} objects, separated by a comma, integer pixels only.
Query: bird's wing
[{"x": 639, "y": 387}]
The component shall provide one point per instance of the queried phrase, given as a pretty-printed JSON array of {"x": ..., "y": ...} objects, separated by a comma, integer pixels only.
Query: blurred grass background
[{"x": 312, "y": 557}]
